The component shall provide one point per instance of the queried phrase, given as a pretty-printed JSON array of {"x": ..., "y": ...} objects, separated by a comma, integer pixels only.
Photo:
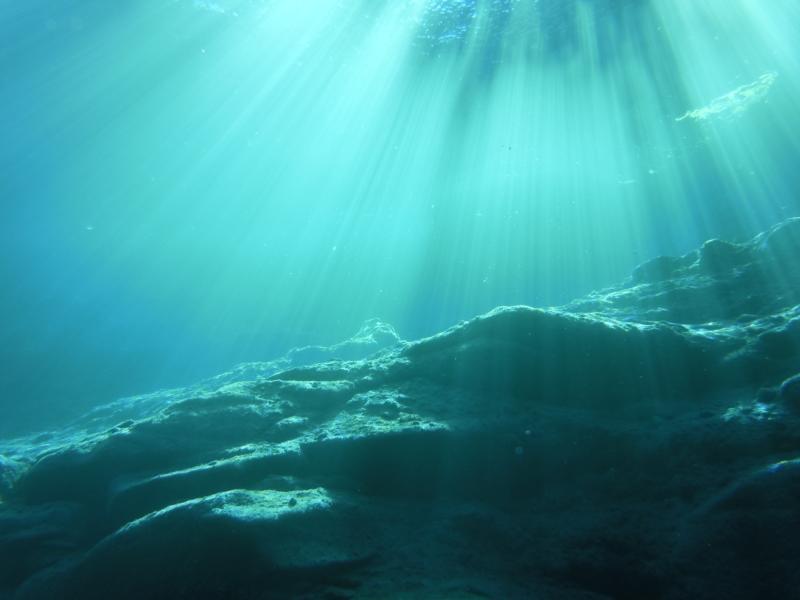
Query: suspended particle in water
[{"x": 734, "y": 102}]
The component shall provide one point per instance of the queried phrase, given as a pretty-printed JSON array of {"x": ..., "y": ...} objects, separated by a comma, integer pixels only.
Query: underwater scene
[{"x": 375, "y": 299}]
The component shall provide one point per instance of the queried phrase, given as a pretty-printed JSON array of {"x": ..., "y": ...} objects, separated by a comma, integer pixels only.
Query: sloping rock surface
[{"x": 642, "y": 442}]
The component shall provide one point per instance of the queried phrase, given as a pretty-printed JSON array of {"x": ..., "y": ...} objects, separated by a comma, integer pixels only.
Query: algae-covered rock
[
  {"x": 632, "y": 444},
  {"x": 790, "y": 392},
  {"x": 236, "y": 543}
]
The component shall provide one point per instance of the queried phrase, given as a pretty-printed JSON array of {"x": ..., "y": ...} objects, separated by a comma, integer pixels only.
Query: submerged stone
[
  {"x": 588, "y": 451},
  {"x": 790, "y": 392}
]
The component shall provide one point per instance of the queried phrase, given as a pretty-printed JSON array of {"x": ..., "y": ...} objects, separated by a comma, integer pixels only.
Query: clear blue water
[{"x": 190, "y": 184}]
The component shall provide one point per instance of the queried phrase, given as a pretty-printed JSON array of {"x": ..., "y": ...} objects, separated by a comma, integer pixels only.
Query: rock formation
[{"x": 642, "y": 442}]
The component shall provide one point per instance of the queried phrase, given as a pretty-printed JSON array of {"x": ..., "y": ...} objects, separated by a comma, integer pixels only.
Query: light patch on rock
[
  {"x": 248, "y": 505},
  {"x": 245, "y": 505}
]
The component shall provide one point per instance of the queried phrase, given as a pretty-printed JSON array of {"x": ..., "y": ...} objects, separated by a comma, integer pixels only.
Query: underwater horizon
[{"x": 399, "y": 298}]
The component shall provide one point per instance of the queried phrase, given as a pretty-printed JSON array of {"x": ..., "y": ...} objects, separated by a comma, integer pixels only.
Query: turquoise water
[
  {"x": 374, "y": 299},
  {"x": 191, "y": 184}
]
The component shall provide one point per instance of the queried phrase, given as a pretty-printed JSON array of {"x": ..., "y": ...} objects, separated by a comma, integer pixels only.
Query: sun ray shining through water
[
  {"x": 267, "y": 172},
  {"x": 565, "y": 233}
]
